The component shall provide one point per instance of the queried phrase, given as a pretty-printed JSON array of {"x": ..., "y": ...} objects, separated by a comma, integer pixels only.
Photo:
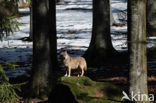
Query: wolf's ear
[
  {"x": 62, "y": 50},
  {"x": 66, "y": 52}
]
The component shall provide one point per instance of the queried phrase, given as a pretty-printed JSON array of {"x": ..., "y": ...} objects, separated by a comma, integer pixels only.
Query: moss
[{"x": 86, "y": 90}]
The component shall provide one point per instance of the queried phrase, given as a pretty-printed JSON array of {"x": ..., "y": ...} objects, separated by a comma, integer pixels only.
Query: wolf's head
[{"x": 64, "y": 55}]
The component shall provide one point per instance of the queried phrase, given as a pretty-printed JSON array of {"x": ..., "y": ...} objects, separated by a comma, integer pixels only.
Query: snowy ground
[{"x": 74, "y": 25}]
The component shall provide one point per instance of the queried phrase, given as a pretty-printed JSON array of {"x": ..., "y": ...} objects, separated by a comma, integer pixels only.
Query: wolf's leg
[
  {"x": 69, "y": 72},
  {"x": 66, "y": 73},
  {"x": 82, "y": 72}
]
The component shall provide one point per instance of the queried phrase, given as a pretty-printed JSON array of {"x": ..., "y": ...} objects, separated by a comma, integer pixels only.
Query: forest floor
[{"x": 74, "y": 25}]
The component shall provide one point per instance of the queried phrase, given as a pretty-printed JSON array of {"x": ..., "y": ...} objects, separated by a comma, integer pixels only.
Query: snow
[
  {"x": 24, "y": 10},
  {"x": 116, "y": 6},
  {"x": 74, "y": 26}
]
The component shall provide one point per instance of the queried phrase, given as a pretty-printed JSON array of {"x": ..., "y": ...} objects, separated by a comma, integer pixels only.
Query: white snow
[
  {"x": 74, "y": 26},
  {"x": 24, "y": 10}
]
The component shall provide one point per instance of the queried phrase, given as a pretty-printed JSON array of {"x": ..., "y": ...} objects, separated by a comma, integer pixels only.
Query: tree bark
[
  {"x": 44, "y": 47},
  {"x": 57, "y": 1},
  {"x": 137, "y": 40},
  {"x": 151, "y": 17},
  {"x": 31, "y": 22},
  {"x": 112, "y": 21},
  {"x": 101, "y": 45}
]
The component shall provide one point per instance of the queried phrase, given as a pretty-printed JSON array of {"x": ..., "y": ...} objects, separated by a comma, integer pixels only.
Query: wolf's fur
[{"x": 73, "y": 63}]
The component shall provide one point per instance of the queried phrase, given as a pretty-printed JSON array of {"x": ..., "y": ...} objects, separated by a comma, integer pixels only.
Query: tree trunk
[
  {"x": 137, "y": 37},
  {"x": 44, "y": 47},
  {"x": 151, "y": 17},
  {"x": 101, "y": 44},
  {"x": 59, "y": 1},
  {"x": 112, "y": 21},
  {"x": 31, "y": 23}
]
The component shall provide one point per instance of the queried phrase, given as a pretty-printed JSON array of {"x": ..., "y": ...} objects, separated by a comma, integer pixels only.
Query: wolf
[{"x": 73, "y": 63}]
